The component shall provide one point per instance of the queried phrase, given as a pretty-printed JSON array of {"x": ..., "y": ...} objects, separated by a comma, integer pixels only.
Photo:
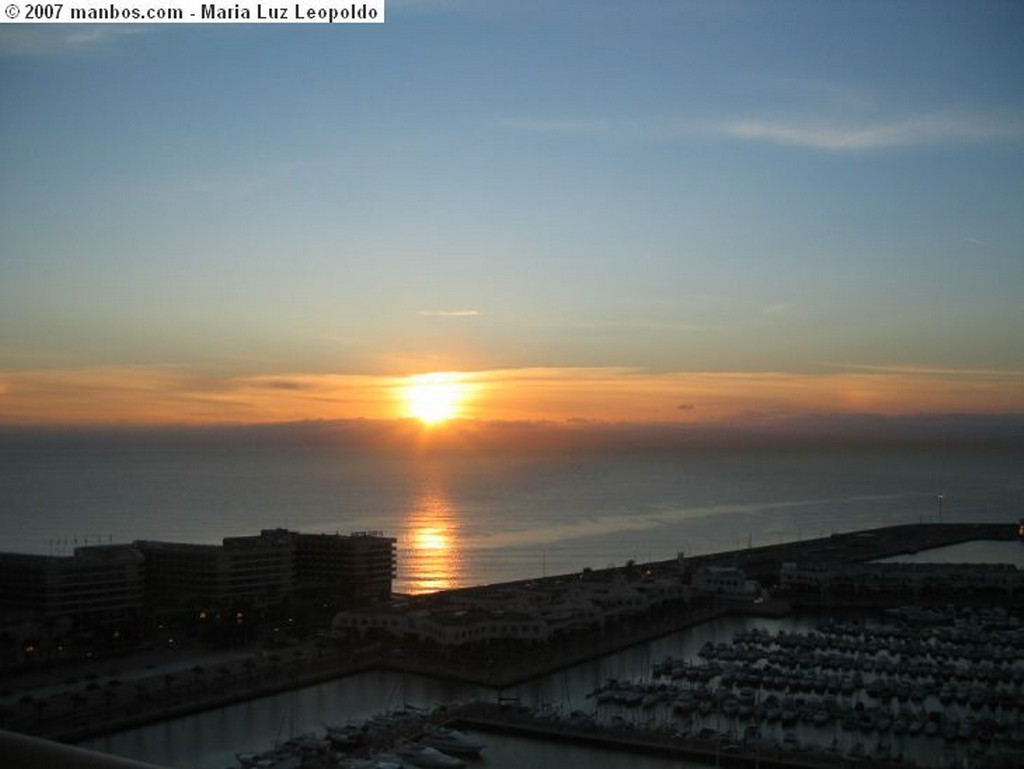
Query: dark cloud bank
[{"x": 1002, "y": 430}]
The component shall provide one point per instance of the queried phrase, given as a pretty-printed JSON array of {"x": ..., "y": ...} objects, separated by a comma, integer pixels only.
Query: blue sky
[{"x": 658, "y": 189}]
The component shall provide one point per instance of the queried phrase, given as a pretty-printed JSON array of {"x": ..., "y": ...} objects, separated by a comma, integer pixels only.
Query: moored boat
[
  {"x": 452, "y": 742},
  {"x": 428, "y": 757}
]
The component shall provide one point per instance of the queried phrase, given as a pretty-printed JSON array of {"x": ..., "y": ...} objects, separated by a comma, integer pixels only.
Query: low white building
[
  {"x": 445, "y": 627},
  {"x": 726, "y": 582},
  {"x": 535, "y": 611}
]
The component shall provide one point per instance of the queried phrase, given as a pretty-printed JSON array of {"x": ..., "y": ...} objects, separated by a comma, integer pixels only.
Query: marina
[
  {"x": 910, "y": 687},
  {"x": 927, "y": 685}
]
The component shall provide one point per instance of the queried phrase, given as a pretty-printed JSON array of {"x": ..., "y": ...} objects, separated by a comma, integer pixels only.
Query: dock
[{"x": 506, "y": 719}]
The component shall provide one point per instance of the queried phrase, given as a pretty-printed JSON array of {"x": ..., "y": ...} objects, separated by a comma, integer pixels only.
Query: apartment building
[
  {"x": 110, "y": 581},
  {"x": 359, "y": 567},
  {"x": 97, "y": 582},
  {"x": 254, "y": 570}
]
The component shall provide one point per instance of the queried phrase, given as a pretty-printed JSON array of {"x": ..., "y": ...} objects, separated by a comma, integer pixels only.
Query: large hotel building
[{"x": 108, "y": 582}]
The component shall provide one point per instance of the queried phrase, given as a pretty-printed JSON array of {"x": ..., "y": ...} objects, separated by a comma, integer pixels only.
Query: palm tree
[
  {"x": 62, "y": 703},
  {"x": 78, "y": 700},
  {"x": 224, "y": 672},
  {"x": 169, "y": 681}
]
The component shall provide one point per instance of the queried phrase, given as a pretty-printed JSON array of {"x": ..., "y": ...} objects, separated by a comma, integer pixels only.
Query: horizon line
[{"x": 997, "y": 429}]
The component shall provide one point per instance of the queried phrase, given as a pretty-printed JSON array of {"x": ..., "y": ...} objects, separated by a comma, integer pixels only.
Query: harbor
[
  {"x": 97, "y": 698},
  {"x": 787, "y": 689},
  {"x": 909, "y": 687},
  {"x": 718, "y": 679}
]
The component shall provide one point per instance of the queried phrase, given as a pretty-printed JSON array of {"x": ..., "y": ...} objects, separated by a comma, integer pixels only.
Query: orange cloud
[
  {"x": 135, "y": 395},
  {"x": 629, "y": 395},
  {"x": 139, "y": 395}
]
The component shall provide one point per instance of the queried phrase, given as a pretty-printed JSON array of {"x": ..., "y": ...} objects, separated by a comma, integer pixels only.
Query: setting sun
[{"x": 434, "y": 398}]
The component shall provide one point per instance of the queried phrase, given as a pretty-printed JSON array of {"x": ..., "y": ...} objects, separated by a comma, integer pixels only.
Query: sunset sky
[{"x": 691, "y": 212}]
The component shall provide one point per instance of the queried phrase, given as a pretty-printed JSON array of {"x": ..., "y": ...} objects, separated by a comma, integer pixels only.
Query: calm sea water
[
  {"x": 465, "y": 519},
  {"x": 981, "y": 551}
]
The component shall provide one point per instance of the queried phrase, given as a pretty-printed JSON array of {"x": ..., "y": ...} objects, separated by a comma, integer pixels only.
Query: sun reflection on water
[{"x": 431, "y": 557}]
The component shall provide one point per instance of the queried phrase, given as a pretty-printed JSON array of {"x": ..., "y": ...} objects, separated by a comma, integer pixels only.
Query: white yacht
[{"x": 453, "y": 742}]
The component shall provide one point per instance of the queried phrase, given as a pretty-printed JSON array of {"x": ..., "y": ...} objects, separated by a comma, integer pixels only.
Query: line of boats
[
  {"x": 952, "y": 675},
  {"x": 943, "y": 686},
  {"x": 407, "y": 737}
]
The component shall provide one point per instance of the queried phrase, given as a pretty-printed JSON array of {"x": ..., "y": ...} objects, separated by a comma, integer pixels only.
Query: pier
[{"x": 506, "y": 719}]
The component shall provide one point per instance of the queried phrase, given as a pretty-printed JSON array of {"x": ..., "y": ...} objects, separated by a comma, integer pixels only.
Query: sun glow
[
  {"x": 434, "y": 398},
  {"x": 432, "y": 533},
  {"x": 431, "y": 538}
]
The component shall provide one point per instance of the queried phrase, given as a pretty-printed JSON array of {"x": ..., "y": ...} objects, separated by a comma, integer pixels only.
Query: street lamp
[{"x": 940, "y": 498}]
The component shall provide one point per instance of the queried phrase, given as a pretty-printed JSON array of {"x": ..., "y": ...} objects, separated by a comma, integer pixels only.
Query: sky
[{"x": 647, "y": 212}]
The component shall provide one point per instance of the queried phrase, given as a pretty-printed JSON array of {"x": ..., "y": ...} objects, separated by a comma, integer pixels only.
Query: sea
[
  {"x": 467, "y": 519},
  {"x": 464, "y": 519}
]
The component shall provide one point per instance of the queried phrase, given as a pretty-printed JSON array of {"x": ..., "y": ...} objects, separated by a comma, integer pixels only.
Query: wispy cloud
[
  {"x": 449, "y": 313},
  {"x": 806, "y": 132},
  {"x": 781, "y": 310},
  {"x": 925, "y": 371},
  {"x": 840, "y": 136}
]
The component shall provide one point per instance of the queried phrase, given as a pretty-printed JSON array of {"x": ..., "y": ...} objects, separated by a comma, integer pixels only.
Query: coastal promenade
[
  {"x": 126, "y": 696},
  {"x": 75, "y": 703},
  {"x": 75, "y": 712}
]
